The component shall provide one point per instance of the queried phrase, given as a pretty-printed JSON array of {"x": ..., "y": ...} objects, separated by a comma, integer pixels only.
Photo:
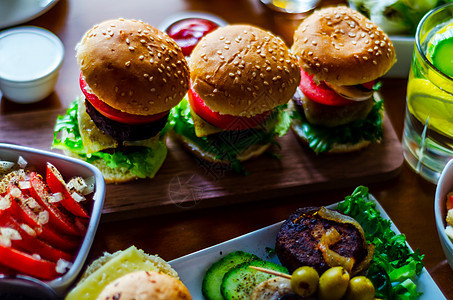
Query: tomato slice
[
  {"x": 369, "y": 85},
  {"x": 115, "y": 114},
  {"x": 321, "y": 93},
  {"x": 40, "y": 192},
  {"x": 31, "y": 243},
  {"x": 27, "y": 264},
  {"x": 57, "y": 185},
  {"x": 226, "y": 122},
  {"x": 21, "y": 212}
]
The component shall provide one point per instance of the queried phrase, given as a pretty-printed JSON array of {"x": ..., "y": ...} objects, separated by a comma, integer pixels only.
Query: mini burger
[
  {"x": 341, "y": 54},
  {"x": 132, "y": 74},
  {"x": 241, "y": 79}
]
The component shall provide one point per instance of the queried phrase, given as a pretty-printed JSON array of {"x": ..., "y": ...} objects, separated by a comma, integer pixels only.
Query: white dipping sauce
[{"x": 29, "y": 53}]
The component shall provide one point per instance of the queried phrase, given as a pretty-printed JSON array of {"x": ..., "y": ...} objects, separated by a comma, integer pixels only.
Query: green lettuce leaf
[
  {"x": 142, "y": 162},
  {"x": 394, "y": 267},
  {"x": 226, "y": 145},
  {"x": 321, "y": 139}
]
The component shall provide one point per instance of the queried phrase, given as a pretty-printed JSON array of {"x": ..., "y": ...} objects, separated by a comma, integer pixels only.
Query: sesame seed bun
[
  {"x": 145, "y": 286},
  {"x": 341, "y": 46},
  {"x": 133, "y": 67},
  {"x": 242, "y": 70}
]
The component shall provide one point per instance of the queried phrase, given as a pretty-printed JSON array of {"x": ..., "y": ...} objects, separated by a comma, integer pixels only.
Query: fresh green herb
[
  {"x": 226, "y": 145},
  {"x": 394, "y": 267},
  {"x": 143, "y": 162},
  {"x": 321, "y": 139}
]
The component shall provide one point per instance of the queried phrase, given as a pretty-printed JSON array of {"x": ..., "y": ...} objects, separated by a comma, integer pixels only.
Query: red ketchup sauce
[{"x": 188, "y": 32}]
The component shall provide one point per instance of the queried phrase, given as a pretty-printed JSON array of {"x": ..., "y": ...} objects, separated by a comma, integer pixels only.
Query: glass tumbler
[{"x": 428, "y": 126}]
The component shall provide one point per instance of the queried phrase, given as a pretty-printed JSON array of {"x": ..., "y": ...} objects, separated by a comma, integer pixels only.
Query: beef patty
[
  {"x": 298, "y": 238},
  {"x": 125, "y": 132}
]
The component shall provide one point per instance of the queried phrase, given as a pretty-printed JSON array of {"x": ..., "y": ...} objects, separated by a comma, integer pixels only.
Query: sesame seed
[
  {"x": 150, "y": 78},
  {"x": 151, "y": 61},
  {"x": 266, "y": 83},
  {"x": 131, "y": 48},
  {"x": 142, "y": 41},
  {"x": 365, "y": 58},
  {"x": 128, "y": 63},
  {"x": 222, "y": 57},
  {"x": 127, "y": 41}
]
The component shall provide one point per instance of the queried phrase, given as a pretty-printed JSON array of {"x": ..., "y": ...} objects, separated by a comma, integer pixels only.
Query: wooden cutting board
[{"x": 187, "y": 183}]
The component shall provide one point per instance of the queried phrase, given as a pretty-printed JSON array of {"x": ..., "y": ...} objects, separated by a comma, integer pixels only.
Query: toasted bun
[
  {"x": 133, "y": 66},
  {"x": 243, "y": 70},
  {"x": 160, "y": 264},
  {"x": 145, "y": 286},
  {"x": 341, "y": 46},
  {"x": 251, "y": 152}
]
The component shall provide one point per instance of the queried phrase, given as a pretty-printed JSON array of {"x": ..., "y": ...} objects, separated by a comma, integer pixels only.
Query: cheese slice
[
  {"x": 94, "y": 139},
  {"x": 122, "y": 263},
  {"x": 203, "y": 128}
]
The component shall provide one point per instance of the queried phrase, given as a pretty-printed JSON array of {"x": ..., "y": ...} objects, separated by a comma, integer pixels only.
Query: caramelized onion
[
  {"x": 333, "y": 259},
  {"x": 330, "y": 238},
  {"x": 351, "y": 92}
]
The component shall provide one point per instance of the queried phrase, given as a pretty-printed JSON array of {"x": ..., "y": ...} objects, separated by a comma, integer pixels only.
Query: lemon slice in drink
[
  {"x": 426, "y": 100},
  {"x": 440, "y": 49}
]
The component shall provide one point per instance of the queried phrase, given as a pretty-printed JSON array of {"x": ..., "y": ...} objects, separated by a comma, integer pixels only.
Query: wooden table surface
[{"x": 407, "y": 198}]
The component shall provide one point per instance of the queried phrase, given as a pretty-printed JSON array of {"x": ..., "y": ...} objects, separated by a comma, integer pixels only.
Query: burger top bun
[
  {"x": 341, "y": 46},
  {"x": 145, "y": 285},
  {"x": 243, "y": 70},
  {"x": 133, "y": 66}
]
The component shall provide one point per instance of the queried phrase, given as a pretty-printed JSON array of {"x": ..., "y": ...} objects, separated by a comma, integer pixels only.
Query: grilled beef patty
[
  {"x": 125, "y": 132},
  {"x": 298, "y": 238}
]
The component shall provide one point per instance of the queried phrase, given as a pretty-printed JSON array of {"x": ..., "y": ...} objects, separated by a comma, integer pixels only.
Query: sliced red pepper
[
  {"x": 57, "y": 185},
  {"x": 27, "y": 264},
  {"x": 40, "y": 192},
  {"x": 24, "y": 214},
  {"x": 31, "y": 244}
]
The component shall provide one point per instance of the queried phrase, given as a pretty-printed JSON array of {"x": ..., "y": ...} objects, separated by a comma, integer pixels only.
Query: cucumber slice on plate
[{"x": 214, "y": 276}]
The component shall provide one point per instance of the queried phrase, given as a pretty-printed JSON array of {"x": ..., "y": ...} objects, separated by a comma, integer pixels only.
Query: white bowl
[
  {"x": 444, "y": 186},
  {"x": 30, "y": 60},
  {"x": 68, "y": 167}
]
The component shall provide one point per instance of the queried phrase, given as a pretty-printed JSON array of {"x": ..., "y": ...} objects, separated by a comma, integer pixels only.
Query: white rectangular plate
[{"x": 191, "y": 268}]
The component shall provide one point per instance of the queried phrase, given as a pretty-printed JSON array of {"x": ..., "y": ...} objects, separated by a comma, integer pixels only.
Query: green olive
[
  {"x": 333, "y": 284},
  {"x": 360, "y": 287},
  {"x": 304, "y": 281}
]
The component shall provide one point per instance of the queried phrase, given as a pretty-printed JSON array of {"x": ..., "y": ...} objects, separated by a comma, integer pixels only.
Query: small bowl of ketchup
[{"x": 187, "y": 28}]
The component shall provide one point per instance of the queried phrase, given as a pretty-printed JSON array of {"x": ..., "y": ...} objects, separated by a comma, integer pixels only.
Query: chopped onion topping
[
  {"x": 89, "y": 181},
  {"x": 24, "y": 184},
  {"x": 22, "y": 162},
  {"x": 43, "y": 217},
  {"x": 5, "y": 241},
  {"x": 10, "y": 233},
  {"x": 28, "y": 229},
  {"x": 15, "y": 192},
  {"x": 77, "y": 184},
  {"x": 77, "y": 197},
  {"x": 62, "y": 266},
  {"x": 449, "y": 231},
  {"x": 5, "y": 202},
  {"x": 32, "y": 203},
  {"x": 6, "y": 165},
  {"x": 55, "y": 197}
]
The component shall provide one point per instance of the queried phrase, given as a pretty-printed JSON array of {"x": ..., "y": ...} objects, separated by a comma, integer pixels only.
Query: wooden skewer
[{"x": 272, "y": 272}]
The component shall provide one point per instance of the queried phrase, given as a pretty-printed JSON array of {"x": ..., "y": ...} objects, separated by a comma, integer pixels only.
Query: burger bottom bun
[
  {"x": 336, "y": 148},
  {"x": 250, "y": 152},
  {"x": 145, "y": 285}
]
